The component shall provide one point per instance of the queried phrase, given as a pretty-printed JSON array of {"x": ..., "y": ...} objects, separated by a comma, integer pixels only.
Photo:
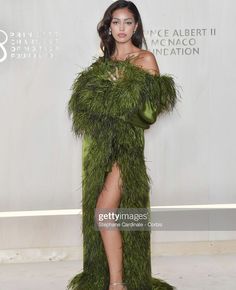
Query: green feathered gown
[{"x": 111, "y": 116}]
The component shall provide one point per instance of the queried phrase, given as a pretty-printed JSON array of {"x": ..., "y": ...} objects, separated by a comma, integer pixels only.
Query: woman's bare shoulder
[{"x": 147, "y": 60}]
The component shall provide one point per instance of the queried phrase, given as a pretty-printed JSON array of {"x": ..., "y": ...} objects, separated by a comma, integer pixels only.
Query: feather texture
[{"x": 111, "y": 115}]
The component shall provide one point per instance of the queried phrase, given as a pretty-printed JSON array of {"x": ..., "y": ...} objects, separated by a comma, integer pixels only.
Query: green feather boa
[
  {"x": 102, "y": 112},
  {"x": 96, "y": 98}
]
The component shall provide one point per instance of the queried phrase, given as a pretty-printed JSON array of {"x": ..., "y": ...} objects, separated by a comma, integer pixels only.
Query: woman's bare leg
[{"x": 110, "y": 197}]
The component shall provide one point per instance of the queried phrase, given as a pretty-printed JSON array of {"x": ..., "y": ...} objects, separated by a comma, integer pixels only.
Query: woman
[{"x": 113, "y": 101}]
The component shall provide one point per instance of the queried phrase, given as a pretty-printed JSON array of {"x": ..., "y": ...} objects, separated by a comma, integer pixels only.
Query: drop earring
[{"x": 109, "y": 31}]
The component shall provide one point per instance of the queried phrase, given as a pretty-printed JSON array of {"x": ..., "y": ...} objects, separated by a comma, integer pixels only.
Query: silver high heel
[{"x": 114, "y": 284}]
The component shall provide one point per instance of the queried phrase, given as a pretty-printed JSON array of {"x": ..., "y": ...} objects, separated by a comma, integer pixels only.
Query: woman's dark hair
[{"x": 107, "y": 43}]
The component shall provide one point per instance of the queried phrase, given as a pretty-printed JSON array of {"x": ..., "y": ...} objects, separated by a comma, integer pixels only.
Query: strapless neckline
[
  {"x": 128, "y": 61},
  {"x": 127, "y": 58}
]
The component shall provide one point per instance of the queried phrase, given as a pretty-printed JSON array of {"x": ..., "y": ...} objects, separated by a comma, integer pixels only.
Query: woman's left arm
[{"x": 159, "y": 94}]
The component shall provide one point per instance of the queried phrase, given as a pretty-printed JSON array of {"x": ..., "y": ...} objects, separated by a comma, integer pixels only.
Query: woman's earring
[
  {"x": 109, "y": 31},
  {"x": 134, "y": 31}
]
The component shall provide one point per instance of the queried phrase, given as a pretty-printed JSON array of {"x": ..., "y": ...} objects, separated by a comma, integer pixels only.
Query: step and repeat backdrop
[{"x": 190, "y": 153}]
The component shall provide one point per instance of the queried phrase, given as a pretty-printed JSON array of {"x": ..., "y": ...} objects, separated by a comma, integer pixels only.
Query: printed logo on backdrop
[
  {"x": 19, "y": 45},
  {"x": 185, "y": 41}
]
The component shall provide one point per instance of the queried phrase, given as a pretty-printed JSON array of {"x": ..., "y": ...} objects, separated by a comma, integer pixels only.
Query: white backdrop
[{"x": 190, "y": 153}]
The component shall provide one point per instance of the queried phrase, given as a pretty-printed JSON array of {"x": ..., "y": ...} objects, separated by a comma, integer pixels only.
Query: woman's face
[{"x": 122, "y": 25}]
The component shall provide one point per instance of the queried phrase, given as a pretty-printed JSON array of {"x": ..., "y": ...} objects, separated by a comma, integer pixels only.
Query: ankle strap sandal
[{"x": 118, "y": 284}]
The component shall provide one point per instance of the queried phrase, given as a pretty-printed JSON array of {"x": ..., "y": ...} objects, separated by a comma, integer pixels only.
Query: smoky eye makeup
[{"x": 127, "y": 21}]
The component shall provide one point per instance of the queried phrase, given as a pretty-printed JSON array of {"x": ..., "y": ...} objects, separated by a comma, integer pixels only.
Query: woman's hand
[{"x": 118, "y": 74}]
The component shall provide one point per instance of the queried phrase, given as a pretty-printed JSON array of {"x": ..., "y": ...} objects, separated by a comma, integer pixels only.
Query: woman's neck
[{"x": 122, "y": 53}]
